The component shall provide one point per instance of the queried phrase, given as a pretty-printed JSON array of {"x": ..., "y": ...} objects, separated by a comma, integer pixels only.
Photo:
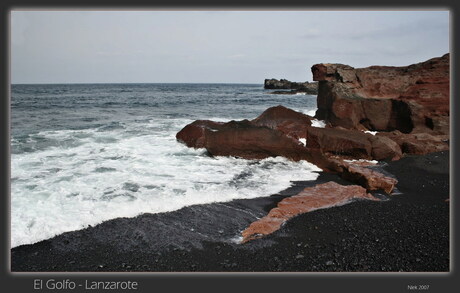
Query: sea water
[{"x": 82, "y": 154}]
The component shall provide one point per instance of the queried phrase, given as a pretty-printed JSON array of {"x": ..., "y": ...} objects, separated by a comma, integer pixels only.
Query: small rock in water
[{"x": 299, "y": 256}]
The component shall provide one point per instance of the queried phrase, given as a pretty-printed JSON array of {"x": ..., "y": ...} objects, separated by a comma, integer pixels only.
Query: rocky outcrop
[
  {"x": 291, "y": 92},
  {"x": 407, "y": 106},
  {"x": 290, "y": 122},
  {"x": 310, "y": 88},
  {"x": 310, "y": 199},
  {"x": 410, "y": 99},
  {"x": 193, "y": 135},
  {"x": 363, "y": 174},
  {"x": 360, "y": 172},
  {"x": 352, "y": 143},
  {"x": 245, "y": 140},
  {"x": 276, "y": 132},
  {"x": 418, "y": 143}
]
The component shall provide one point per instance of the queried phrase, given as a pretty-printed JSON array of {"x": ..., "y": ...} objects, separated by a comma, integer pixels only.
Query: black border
[{"x": 326, "y": 282}]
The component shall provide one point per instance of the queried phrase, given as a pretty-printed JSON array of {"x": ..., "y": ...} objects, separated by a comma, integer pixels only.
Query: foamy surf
[
  {"x": 108, "y": 174},
  {"x": 83, "y": 154}
]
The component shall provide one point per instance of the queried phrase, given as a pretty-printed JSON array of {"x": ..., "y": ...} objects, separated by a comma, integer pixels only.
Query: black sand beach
[{"x": 407, "y": 233}]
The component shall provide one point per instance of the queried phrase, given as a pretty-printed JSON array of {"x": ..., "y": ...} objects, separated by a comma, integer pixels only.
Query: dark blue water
[{"x": 80, "y": 106}]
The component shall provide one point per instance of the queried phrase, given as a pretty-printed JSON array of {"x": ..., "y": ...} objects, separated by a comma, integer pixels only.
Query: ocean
[{"x": 82, "y": 154}]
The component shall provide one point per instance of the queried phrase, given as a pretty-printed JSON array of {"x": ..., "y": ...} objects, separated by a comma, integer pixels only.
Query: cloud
[
  {"x": 401, "y": 30},
  {"x": 45, "y": 43},
  {"x": 236, "y": 56},
  {"x": 311, "y": 33}
]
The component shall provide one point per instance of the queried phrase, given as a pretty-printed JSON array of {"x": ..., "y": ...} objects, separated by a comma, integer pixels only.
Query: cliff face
[{"x": 411, "y": 99}]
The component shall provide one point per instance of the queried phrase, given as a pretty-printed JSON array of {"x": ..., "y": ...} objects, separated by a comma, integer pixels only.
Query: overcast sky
[{"x": 215, "y": 46}]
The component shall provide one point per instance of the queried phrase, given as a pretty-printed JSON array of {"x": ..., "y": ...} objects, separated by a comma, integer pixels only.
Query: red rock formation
[
  {"x": 359, "y": 173},
  {"x": 271, "y": 135},
  {"x": 418, "y": 143},
  {"x": 245, "y": 140},
  {"x": 352, "y": 143},
  {"x": 290, "y": 122},
  {"x": 409, "y": 105},
  {"x": 193, "y": 134},
  {"x": 384, "y": 148},
  {"x": 412, "y": 98},
  {"x": 311, "y": 198},
  {"x": 339, "y": 141},
  {"x": 368, "y": 178},
  {"x": 274, "y": 133}
]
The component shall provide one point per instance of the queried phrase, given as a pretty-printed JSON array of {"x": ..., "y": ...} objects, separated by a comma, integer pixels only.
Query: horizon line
[{"x": 57, "y": 83}]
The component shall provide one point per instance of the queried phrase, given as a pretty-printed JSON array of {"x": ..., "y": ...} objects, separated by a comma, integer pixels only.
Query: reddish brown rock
[
  {"x": 246, "y": 140},
  {"x": 288, "y": 121},
  {"x": 359, "y": 173},
  {"x": 311, "y": 198},
  {"x": 368, "y": 178},
  {"x": 193, "y": 134},
  {"x": 352, "y": 143},
  {"x": 384, "y": 148},
  {"x": 340, "y": 142},
  {"x": 333, "y": 72},
  {"x": 274, "y": 133},
  {"x": 418, "y": 143},
  {"x": 409, "y": 99}
]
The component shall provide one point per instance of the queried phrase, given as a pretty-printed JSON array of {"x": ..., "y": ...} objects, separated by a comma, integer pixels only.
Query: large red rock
[
  {"x": 410, "y": 99},
  {"x": 352, "y": 143},
  {"x": 361, "y": 172},
  {"x": 245, "y": 140},
  {"x": 193, "y": 134},
  {"x": 368, "y": 178},
  {"x": 311, "y": 198},
  {"x": 265, "y": 137},
  {"x": 418, "y": 143},
  {"x": 274, "y": 133},
  {"x": 288, "y": 121},
  {"x": 383, "y": 148}
]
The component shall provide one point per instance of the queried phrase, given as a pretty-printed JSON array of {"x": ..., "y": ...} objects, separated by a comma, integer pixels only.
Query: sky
[{"x": 214, "y": 46}]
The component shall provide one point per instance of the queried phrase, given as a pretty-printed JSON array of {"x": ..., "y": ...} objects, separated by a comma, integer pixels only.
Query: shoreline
[{"x": 409, "y": 232}]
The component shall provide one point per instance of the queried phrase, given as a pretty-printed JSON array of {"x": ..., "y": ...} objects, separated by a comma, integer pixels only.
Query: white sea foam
[
  {"x": 371, "y": 132},
  {"x": 374, "y": 162},
  {"x": 310, "y": 112},
  {"x": 318, "y": 123},
  {"x": 123, "y": 172}
]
